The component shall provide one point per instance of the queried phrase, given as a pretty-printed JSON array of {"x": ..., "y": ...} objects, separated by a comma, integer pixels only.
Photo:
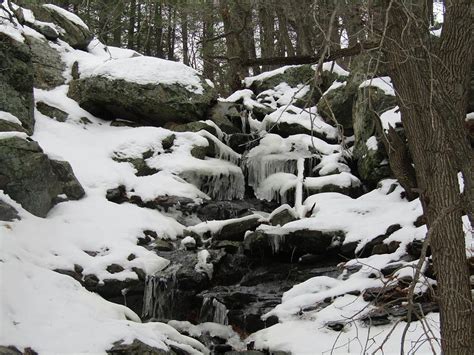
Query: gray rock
[
  {"x": 240, "y": 142},
  {"x": 283, "y": 217},
  {"x": 226, "y": 115},
  {"x": 162, "y": 245},
  {"x": 138, "y": 347},
  {"x": 77, "y": 36},
  {"x": 71, "y": 187},
  {"x": 192, "y": 127},
  {"x": 50, "y": 111},
  {"x": 7, "y": 212},
  {"x": 29, "y": 177},
  {"x": 292, "y": 245},
  {"x": 150, "y": 104},
  {"x": 16, "y": 81},
  {"x": 45, "y": 29},
  {"x": 47, "y": 64},
  {"x": 7, "y": 126},
  {"x": 171, "y": 292},
  {"x": 235, "y": 230}
]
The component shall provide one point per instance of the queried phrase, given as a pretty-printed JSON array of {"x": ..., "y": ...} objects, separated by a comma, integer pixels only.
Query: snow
[
  {"x": 6, "y": 135},
  {"x": 276, "y": 187},
  {"x": 391, "y": 118},
  {"x": 328, "y": 66},
  {"x": 266, "y": 75},
  {"x": 187, "y": 242},
  {"x": 298, "y": 336},
  {"x": 7, "y": 116},
  {"x": 275, "y": 154},
  {"x": 283, "y": 94},
  {"x": 383, "y": 83},
  {"x": 372, "y": 143},
  {"x": 214, "y": 227},
  {"x": 335, "y": 85},
  {"x": 334, "y": 67},
  {"x": 308, "y": 118},
  {"x": 68, "y": 15},
  {"x": 203, "y": 265},
  {"x": 363, "y": 218},
  {"x": 12, "y": 30},
  {"x": 211, "y": 329},
  {"x": 246, "y": 96},
  {"x": 149, "y": 70},
  {"x": 342, "y": 180}
]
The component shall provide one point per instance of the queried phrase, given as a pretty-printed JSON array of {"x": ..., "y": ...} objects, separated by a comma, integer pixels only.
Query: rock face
[
  {"x": 47, "y": 64},
  {"x": 29, "y": 177},
  {"x": 75, "y": 32},
  {"x": 16, "y": 81},
  {"x": 372, "y": 161},
  {"x": 148, "y": 95}
]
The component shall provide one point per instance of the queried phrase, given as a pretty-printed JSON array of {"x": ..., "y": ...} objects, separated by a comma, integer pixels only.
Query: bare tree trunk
[
  {"x": 117, "y": 27},
  {"x": 158, "y": 30},
  {"x": 236, "y": 54},
  {"x": 431, "y": 85},
  {"x": 184, "y": 31},
  {"x": 267, "y": 32},
  {"x": 207, "y": 45},
  {"x": 131, "y": 24}
]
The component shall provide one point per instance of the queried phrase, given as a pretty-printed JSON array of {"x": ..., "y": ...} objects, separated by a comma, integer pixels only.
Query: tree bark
[
  {"x": 131, "y": 24},
  {"x": 432, "y": 105},
  {"x": 207, "y": 45}
]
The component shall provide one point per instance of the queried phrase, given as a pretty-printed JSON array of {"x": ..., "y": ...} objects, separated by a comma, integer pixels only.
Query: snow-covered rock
[{"x": 143, "y": 89}]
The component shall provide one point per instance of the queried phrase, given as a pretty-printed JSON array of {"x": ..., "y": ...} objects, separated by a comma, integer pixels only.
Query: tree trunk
[
  {"x": 117, "y": 24},
  {"x": 158, "y": 24},
  {"x": 285, "y": 40},
  {"x": 432, "y": 105},
  {"x": 131, "y": 24},
  {"x": 207, "y": 45},
  {"x": 267, "y": 32},
  {"x": 184, "y": 32}
]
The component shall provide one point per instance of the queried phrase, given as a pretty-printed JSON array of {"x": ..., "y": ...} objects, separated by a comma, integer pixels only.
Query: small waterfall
[
  {"x": 213, "y": 311},
  {"x": 159, "y": 296}
]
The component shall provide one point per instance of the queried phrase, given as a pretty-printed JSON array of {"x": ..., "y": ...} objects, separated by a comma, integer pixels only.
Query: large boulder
[
  {"x": 71, "y": 28},
  {"x": 47, "y": 64},
  {"x": 29, "y": 177},
  {"x": 16, "y": 81},
  {"x": 147, "y": 90},
  {"x": 290, "y": 246}
]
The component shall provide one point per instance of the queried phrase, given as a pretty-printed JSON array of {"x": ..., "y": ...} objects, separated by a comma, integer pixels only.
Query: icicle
[
  {"x": 276, "y": 240},
  {"x": 158, "y": 298},
  {"x": 223, "y": 151},
  {"x": 213, "y": 311},
  {"x": 243, "y": 118},
  {"x": 259, "y": 168},
  {"x": 224, "y": 186},
  {"x": 299, "y": 188}
]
